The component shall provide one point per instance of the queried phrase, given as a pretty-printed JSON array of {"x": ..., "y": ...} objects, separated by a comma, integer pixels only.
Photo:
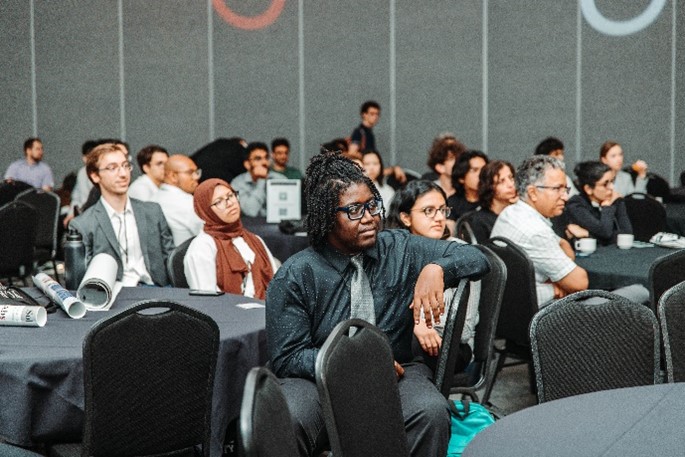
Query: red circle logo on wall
[{"x": 259, "y": 21}]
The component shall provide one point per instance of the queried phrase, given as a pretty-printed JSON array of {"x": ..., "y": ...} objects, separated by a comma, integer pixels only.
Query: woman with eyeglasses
[
  {"x": 225, "y": 256},
  {"x": 421, "y": 207},
  {"x": 496, "y": 191},
  {"x": 599, "y": 208}
]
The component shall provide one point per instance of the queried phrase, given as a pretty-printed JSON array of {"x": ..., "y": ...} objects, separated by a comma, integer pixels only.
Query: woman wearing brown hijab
[{"x": 225, "y": 256}]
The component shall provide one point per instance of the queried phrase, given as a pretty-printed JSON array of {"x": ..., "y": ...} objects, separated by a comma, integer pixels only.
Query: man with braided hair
[{"x": 311, "y": 293}]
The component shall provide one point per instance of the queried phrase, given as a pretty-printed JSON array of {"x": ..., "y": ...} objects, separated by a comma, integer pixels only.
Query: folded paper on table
[
  {"x": 24, "y": 316},
  {"x": 59, "y": 295},
  {"x": 99, "y": 286}
]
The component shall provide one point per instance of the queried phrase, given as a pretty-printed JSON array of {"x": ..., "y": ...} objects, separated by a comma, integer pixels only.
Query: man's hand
[
  {"x": 259, "y": 172},
  {"x": 399, "y": 370},
  {"x": 428, "y": 295},
  {"x": 428, "y": 338}
]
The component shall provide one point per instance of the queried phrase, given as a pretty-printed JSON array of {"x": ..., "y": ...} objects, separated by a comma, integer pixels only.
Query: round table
[{"x": 643, "y": 421}]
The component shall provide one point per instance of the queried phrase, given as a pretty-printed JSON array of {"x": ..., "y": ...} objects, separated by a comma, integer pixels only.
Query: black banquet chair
[
  {"x": 451, "y": 339},
  {"x": 647, "y": 215},
  {"x": 47, "y": 205},
  {"x": 265, "y": 421},
  {"x": 593, "y": 340},
  {"x": 358, "y": 391},
  {"x": 672, "y": 319},
  {"x": 519, "y": 305},
  {"x": 7, "y": 450},
  {"x": 17, "y": 238},
  {"x": 463, "y": 228},
  {"x": 148, "y": 376},
  {"x": 484, "y": 358},
  {"x": 174, "y": 265},
  {"x": 664, "y": 273}
]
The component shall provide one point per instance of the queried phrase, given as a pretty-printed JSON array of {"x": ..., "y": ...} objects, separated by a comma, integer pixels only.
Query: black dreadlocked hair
[{"x": 328, "y": 175}]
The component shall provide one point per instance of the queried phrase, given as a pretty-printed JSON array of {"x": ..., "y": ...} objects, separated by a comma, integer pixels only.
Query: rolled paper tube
[
  {"x": 60, "y": 296},
  {"x": 23, "y": 316},
  {"x": 97, "y": 286}
]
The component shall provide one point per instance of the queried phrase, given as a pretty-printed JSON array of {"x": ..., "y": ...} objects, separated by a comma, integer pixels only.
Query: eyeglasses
[
  {"x": 557, "y": 189},
  {"x": 356, "y": 210},
  {"x": 114, "y": 168},
  {"x": 431, "y": 211},
  {"x": 194, "y": 173},
  {"x": 607, "y": 183},
  {"x": 222, "y": 203}
]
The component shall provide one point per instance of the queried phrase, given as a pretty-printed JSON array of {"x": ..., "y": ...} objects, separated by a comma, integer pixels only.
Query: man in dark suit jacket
[{"x": 133, "y": 232}]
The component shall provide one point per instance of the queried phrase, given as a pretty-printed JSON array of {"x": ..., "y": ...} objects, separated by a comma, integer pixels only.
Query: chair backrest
[
  {"x": 451, "y": 338},
  {"x": 492, "y": 287},
  {"x": 266, "y": 428},
  {"x": 148, "y": 380},
  {"x": 464, "y": 230},
  {"x": 47, "y": 205},
  {"x": 358, "y": 391},
  {"x": 10, "y": 189},
  {"x": 646, "y": 214},
  {"x": 519, "y": 300},
  {"x": 593, "y": 340},
  {"x": 174, "y": 266},
  {"x": 664, "y": 273},
  {"x": 17, "y": 237},
  {"x": 672, "y": 319}
]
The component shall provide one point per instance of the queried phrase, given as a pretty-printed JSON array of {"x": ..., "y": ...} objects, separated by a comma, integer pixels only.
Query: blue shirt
[
  {"x": 310, "y": 294},
  {"x": 38, "y": 175}
]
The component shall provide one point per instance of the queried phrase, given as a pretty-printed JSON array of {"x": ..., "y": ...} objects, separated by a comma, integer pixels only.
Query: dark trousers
[{"x": 426, "y": 413}]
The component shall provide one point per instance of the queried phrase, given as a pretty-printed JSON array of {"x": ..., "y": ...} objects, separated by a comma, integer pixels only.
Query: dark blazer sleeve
[{"x": 600, "y": 224}]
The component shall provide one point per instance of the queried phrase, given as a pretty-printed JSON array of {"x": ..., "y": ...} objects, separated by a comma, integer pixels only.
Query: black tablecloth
[
  {"x": 609, "y": 267},
  {"x": 41, "y": 372},
  {"x": 622, "y": 422},
  {"x": 280, "y": 244}
]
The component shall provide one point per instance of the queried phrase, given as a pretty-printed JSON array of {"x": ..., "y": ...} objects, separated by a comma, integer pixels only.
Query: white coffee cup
[
  {"x": 625, "y": 240},
  {"x": 586, "y": 245}
]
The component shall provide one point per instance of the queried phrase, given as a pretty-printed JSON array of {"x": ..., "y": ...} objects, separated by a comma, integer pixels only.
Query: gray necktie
[{"x": 361, "y": 299}]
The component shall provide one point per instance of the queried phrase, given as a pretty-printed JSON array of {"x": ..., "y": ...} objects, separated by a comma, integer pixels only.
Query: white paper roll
[
  {"x": 60, "y": 296},
  {"x": 97, "y": 287},
  {"x": 24, "y": 316}
]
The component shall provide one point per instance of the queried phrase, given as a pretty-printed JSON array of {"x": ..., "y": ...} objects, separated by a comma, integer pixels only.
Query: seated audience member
[
  {"x": 134, "y": 233},
  {"x": 553, "y": 147},
  {"x": 31, "y": 169},
  {"x": 541, "y": 185},
  {"x": 465, "y": 177},
  {"x": 373, "y": 167},
  {"x": 151, "y": 160},
  {"x": 252, "y": 184},
  {"x": 611, "y": 154},
  {"x": 421, "y": 208},
  {"x": 83, "y": 184},
  {"x": 175, "y": 196},
  {"x": 353, "y": 270},
  {"x": 598, "y": 208},
  {"x": 441, "y": 159},
  {"x": 225, "y": 256},
  {"x": 280, "y": 152},
  {"x": 496, "y": 191}
]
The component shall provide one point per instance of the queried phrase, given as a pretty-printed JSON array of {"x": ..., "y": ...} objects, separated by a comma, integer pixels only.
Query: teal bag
[{"x": 468, "y": 419}]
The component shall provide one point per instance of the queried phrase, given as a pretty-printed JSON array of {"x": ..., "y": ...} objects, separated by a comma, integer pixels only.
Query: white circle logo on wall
[{"x": 620, "y": 28}]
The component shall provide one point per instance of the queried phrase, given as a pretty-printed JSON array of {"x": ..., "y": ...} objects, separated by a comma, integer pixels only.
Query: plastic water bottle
[{"x": 74, "y": 260}]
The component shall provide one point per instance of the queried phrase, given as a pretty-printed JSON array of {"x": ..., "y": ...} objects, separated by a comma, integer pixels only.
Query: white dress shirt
[
  {"x": 200, "y": 263},
  {"x": 143, "y": 188},
  {"x": 130, "y": 250},
  {"x": 177, "y": 206}
]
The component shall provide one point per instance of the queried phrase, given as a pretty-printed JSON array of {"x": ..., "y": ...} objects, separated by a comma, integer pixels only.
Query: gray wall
[{"x": 500, "y": 74}]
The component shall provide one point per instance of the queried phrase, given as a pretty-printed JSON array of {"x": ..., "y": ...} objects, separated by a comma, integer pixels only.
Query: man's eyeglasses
[
  {"x": 194, "y": 173},
  {"x": 114, "y": 168},
  {"x": 356, "y": 211},
  {"x": 431, "y": 211},
  {"x": 222, "y": 203},
  {"x": 557, "y": 189}
]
